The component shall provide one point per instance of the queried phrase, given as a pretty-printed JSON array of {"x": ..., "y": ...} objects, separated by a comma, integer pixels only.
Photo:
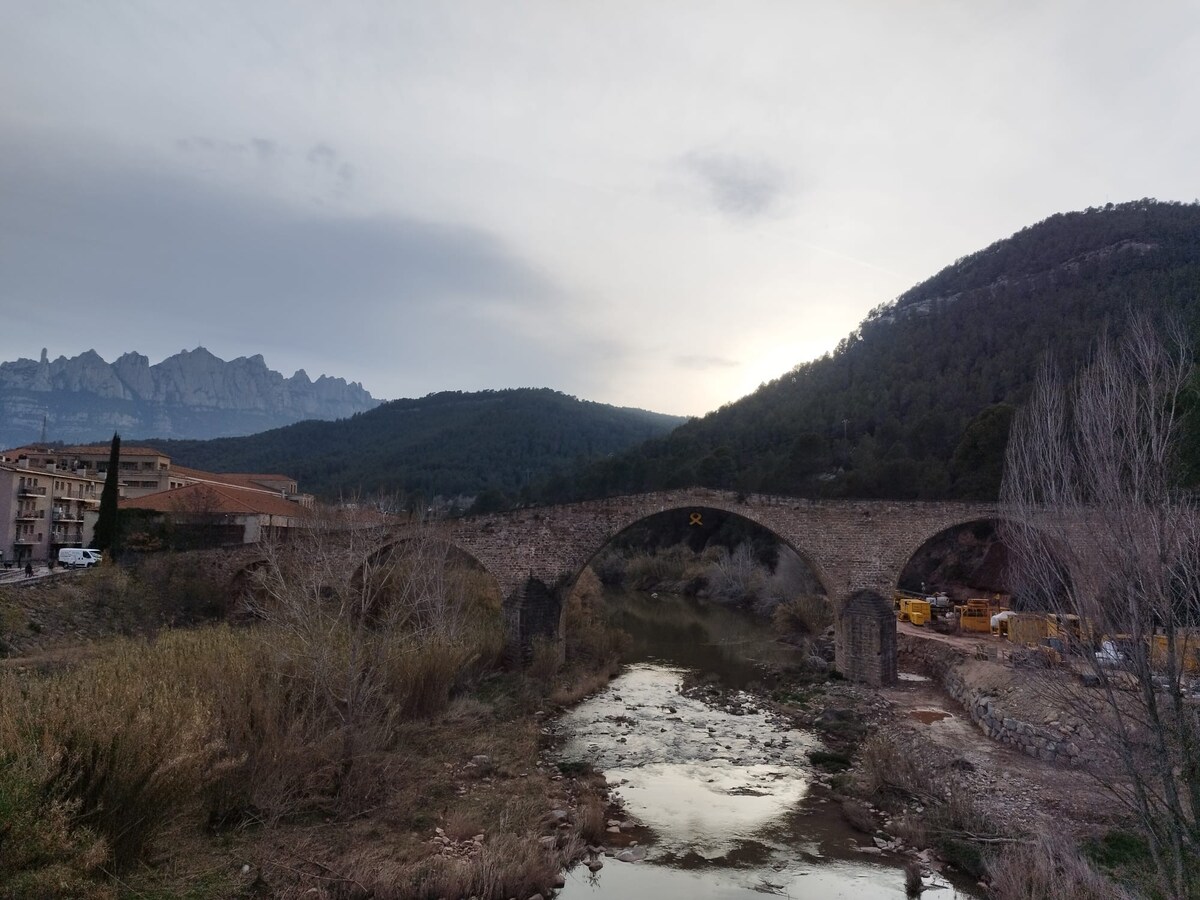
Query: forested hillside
[
  {"x": 917, "y": 403},
  {"x": 492, "y": 444}
]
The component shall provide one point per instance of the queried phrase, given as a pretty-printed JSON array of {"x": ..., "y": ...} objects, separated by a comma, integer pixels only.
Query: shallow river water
[{"x": 720, "y": 798}]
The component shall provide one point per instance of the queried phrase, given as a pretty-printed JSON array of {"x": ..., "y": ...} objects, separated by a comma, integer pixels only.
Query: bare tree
[
  {"x": 371, "y": 630},
  {"x": 1098, "y": 527}
]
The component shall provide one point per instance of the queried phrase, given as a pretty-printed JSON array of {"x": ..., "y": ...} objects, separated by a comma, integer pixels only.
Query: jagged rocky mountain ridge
[{"x": 193, "y": 394}]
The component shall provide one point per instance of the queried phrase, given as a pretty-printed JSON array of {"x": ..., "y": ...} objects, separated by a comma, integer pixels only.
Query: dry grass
[
  {"x": 591, "y": 820},
  {"x": 508, "y": 865},
  {"x": 390, "y": 853},
  {"x": 952, "y": 821},
  {"x": 122, "y": 744},
  {"x": 804, "y": 617},
  {"x": 886, "y": 769},
  {"x": 344, "y": 722},
  {"x": 214, "y": 726},
  {"x": 913, "y": 885},
  {"x": 1049, "y": 866}
]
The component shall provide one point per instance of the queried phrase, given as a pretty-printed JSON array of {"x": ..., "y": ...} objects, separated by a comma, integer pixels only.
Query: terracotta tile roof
[
  {"x": 216, "y": 498},
  {"x": 237, "y": 479}
]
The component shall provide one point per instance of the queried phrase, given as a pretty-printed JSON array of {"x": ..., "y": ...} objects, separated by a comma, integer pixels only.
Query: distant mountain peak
[{"x": 193, "y": 394}]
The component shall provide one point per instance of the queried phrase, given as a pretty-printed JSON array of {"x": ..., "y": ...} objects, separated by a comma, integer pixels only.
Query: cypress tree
[{"x": 105, "y": 535}]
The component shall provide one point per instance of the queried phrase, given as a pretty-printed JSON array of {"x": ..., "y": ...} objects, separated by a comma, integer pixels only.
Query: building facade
[
  {"x": 52, "y": 498},
  {"x": 143, "y": 470},
  {"x": 43, "y": 510}
]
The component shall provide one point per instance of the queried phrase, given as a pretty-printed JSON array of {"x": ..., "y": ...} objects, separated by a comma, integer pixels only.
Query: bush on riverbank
[
  {"x": 591, "y": 651},
  {"x": 1049, "y": 866},
  {"x": 802, "y": 619},
  {"x": 299, "y": 714},
  {"x": 359, "y": 696}
]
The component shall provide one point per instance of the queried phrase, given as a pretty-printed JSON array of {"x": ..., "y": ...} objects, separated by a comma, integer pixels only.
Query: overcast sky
[{"x": 651, "y": 204}]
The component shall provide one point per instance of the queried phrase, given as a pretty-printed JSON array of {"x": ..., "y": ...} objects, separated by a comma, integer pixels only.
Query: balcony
[
  {"x": 31, "y": 491},
  {"x": 66, "y": 516},
  {"x": 27, "y": 540}
]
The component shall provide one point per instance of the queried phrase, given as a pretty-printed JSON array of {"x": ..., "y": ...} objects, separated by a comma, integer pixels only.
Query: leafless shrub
[
  {"x": 913, "y": 885},
  {"x": 370, "y": 631},
  {"x": 804, "y": 617},
  {"x": 736, "y": 577},
  {"x": 1049, "y": 866},
  {"x": 884, "y": 767}
]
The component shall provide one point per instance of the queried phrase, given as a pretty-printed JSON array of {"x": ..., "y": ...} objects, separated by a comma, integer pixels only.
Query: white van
[{"x": 74, "y": 557}]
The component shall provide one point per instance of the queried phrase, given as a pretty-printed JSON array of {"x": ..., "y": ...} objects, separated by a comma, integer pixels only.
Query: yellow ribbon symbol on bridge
[{"x": 695, "y": 519}]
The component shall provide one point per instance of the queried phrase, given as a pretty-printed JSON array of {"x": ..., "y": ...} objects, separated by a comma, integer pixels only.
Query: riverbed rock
[{"x": 482, "y": 762}]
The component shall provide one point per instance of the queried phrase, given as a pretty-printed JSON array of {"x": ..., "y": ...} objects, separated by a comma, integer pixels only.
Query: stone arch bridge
[{"x": 536, "y": 554}]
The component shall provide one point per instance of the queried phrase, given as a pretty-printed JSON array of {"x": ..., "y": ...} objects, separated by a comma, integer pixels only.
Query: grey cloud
[
  {"x": 701, "y": 363},
  {"x": 144, "y": 261},
  {"x": 322, "y": 155},
  {"x": 740, "y": 187},
  {"x": 264, "y": 149}
]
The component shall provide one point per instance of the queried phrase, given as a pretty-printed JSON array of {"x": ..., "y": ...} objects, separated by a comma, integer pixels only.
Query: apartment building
[
  {"x": 43, "y": 510},
  {"x": 54, "y": 497},
  {"x": 143, "y": 470}
]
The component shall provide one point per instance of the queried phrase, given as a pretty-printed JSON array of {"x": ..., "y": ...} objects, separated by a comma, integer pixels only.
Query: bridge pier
[
  {"x": 865, "y": 641},
  {"x": 534, "y": 612}
]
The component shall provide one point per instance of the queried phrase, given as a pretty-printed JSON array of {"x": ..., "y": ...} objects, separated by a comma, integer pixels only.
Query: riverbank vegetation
[{"x": 361, "y": 736}]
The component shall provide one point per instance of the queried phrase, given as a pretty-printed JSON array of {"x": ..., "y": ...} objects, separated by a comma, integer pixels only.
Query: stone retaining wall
[{"x": 1059, "y": 739}]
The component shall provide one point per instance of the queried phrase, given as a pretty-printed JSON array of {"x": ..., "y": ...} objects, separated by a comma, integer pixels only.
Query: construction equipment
[
  {"x": 1030, "y": 629},
  {"x": 913, "y": 610},
  {"x": 1187, "y": 651},
  {"x": 976, "y": 616}
]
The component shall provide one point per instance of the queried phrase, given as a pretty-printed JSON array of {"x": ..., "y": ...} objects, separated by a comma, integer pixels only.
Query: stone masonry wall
[
  {"x": 848, "y": 544},
  {"x": 1051, "y": 735}
]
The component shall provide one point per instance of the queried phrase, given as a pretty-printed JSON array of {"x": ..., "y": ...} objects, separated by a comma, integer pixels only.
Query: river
[{"x": 720, "y": 798}]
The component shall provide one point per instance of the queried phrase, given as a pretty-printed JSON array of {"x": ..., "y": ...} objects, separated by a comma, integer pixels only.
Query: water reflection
[
  {"x": 726, "y": 795},
  {"x": 704, "y": 637}
]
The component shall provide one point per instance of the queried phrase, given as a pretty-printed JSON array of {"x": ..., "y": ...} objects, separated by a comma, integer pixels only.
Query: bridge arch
[
  {"x": 699, "y": 516},
  {"x": 948, "y": 552},
  {"x": 992, "y": 573},
  {"x": 688, "y": 513},
  {"x": 436, "y": 549}
]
